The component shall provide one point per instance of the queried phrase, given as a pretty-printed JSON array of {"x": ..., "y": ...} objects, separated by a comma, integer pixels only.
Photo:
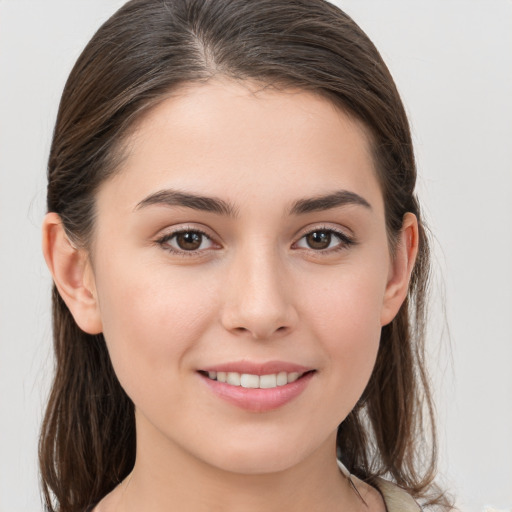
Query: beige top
[{"x": 395, "y": 498}]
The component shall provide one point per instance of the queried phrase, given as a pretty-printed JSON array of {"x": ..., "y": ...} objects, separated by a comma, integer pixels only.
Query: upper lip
[{"x": 254, "y": 368}]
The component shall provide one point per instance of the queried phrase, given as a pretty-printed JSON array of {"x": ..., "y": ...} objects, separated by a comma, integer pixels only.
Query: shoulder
[{"x": 395, "y": 498}]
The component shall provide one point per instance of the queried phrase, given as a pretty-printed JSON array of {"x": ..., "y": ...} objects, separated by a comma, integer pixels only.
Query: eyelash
[{"x": 345, "y": 241}]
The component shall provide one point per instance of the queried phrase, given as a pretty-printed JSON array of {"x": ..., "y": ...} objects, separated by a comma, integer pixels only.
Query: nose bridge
[{"x": 258, "y": 298}]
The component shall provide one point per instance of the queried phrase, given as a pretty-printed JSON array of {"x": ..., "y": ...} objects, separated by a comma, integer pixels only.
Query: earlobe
[
  {"x": 72, "y": 274},
  {"x": 401, "y": 268}
]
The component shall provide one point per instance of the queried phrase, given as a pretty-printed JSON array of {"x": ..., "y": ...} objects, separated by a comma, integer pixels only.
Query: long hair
[{"x": 143, "y": 52}]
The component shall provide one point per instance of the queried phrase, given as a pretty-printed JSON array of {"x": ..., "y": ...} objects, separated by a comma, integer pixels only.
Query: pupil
[
  {"x": 319, "y": 239},
  {"x": 189, "y": 241}
]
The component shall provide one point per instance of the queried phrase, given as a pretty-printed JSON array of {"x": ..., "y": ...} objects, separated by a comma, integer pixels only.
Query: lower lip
[{"x": 259, "y": 400}]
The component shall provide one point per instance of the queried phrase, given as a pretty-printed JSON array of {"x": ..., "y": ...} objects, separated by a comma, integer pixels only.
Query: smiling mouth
[{"x": 252, "y": 381}]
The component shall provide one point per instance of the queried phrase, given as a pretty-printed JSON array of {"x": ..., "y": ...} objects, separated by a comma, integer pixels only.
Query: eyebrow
[
  {"x": 328, "y": 201},
  {"x": 171, "y": 197}
]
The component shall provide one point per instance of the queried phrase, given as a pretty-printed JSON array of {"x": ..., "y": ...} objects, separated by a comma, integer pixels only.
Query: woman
[{"x": 240, "y": 268}]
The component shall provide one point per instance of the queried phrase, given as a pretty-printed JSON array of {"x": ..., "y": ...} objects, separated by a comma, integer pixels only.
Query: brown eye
[
  {"x": 186, "y": 241},
  {"x": 319, "y": 239},
  {"x": 324, "y": 240},
  {"x": 189, "y": 240}
]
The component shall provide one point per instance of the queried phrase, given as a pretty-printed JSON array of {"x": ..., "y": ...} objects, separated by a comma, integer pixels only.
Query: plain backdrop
[{"x": 452, "y": 61}]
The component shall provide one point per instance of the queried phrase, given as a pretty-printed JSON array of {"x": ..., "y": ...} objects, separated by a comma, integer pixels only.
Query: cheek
[
  {"x": 345, "y": 318},
  {"x": 150, "y": 321},
  {"x": 349, "y": 304}
]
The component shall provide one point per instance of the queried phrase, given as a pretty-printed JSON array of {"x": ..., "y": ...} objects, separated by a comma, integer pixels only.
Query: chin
[
  {"x": 258, "y": 456},
  {"x": 251, "y": 463}
]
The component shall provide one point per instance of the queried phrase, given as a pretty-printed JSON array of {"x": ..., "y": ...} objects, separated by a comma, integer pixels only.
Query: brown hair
[{"x": 147, "y": 49}]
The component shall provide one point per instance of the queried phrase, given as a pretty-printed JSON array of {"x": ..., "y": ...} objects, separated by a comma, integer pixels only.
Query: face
[{"x": 243, "y": 240}]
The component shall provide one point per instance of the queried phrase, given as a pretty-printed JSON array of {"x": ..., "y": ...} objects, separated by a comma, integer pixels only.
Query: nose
[{"x": 259, "y": 299}]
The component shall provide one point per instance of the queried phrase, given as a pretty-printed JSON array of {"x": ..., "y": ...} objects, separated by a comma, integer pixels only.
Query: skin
[{"x": 254, "y": 290}]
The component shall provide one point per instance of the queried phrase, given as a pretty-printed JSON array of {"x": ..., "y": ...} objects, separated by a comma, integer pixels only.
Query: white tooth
[
  {"x": 248, "y": 380},
  {"x": 282, "y": 379},
  {"x": 292, "y": 377},
  {"x": 268, "y": 381},
  {"x": 212, "y": 375},
  {"x": 221, "y": 376},
  {"x": 233, "y": 378}
]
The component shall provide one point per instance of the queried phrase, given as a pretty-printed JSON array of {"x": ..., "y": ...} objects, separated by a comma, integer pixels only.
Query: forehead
[{"x": 227, "y": 137}]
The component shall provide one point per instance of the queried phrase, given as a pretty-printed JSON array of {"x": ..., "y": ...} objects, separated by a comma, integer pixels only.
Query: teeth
[
  {"x": 292, "y": 377},
  {"x": 233, "y": 379},
  {"x": 247, "y": 380},
  {"x": 268, "y": 381},
  {"x": 282, "y": 379}
]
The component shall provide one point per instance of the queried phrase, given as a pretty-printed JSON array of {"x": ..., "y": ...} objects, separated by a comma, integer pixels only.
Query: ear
[
  {"x": 72, "y": 275},
  {"x": 400, "y": 268}
]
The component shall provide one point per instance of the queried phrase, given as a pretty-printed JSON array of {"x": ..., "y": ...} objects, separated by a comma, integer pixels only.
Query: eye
[
  {"x": 324, "y": 240},
  {"x": 186, "y": 241}
]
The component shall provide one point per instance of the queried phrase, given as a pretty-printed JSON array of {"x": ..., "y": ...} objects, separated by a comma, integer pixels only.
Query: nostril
[{"x": 260, "y": 333}]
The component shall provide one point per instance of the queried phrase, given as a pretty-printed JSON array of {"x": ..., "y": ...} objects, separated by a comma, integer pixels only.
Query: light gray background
[{"x": 452, "y": 61}]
